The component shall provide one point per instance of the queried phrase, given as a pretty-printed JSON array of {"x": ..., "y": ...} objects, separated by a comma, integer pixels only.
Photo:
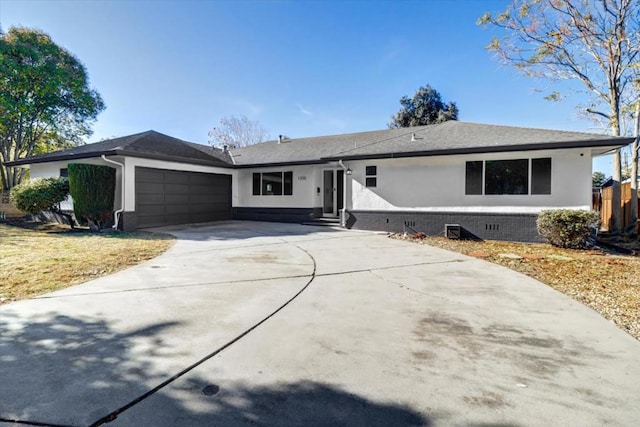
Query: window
[
  {"x": 541, "y": 176},
  {"x": 473, "y": 178},
  {"x": 256, "y": 184},
  {"x": 370, "y": 173},
  {"x": 64, "y": 173},
  {"x": 288, "y": 183},
  {"x": 273, "y": 183},
  {"x": 508, "y": 177}
]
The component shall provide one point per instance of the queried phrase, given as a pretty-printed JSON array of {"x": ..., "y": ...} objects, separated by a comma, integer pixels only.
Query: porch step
[{"x": 323, "y": 222}]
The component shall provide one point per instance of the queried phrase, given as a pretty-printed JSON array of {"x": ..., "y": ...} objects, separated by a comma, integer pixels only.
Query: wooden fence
[
  {"x": 605, "y": 205},
  {"x": 7, "y": 208}
]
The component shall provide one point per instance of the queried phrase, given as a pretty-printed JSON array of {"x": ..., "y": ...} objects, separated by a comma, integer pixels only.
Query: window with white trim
[{"x": 273, "y": 183}]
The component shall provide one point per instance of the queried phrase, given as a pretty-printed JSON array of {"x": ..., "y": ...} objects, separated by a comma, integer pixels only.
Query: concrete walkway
[{"x": 383, "y": 332}]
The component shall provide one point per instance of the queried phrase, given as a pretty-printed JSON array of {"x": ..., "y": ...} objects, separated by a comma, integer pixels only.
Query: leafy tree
[
  {"x": 598, "y": 178},
  {"x": 237, "y": 132},
  {"x": 93, "y": 189},
  {"x": 45, "y": 99},
  {"x": 425, "y": 108},
  {"x": 593, "y": 42}
]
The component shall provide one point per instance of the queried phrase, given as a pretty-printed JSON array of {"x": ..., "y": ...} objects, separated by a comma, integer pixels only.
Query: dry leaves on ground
[
  {"x": 52, "y": 257},
  {"x": 610, "y": 284}
]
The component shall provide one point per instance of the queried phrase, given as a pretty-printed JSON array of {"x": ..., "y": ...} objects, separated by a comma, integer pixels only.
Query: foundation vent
[{"x": 452, "y": 231}]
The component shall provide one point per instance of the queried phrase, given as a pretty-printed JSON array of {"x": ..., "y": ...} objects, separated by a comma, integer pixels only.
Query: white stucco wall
[
  {"x": 438, "y": 184},
  {"x": 306, "y": 181},
  {"x": 422, "y": 184}
]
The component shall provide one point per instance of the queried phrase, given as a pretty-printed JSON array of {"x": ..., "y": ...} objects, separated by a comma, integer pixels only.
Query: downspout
[
  {"x": 343, "y": 214},
  {"x": 117, "y": 214}
]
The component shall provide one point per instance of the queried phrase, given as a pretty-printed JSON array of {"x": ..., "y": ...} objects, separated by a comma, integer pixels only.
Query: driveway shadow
[{"x": 63, "y": 370}]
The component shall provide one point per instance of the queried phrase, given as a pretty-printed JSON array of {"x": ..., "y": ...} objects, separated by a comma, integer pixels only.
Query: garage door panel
[
  {"x": 150, "y": 199},
  {"x": 149, "y": 187},
  {"x": 176, "y": 177},
  {"x": 151, "y": 209},
  {"x": 176, "y": 188},
  {"x": 149, "y": 175},
  {"x": 176, "y": 209},
  {"x": 175, "y": 197},
  {"x": 219, "y": 192},
  {"x": 153, "y": 221},
  {"x": 204, "y": 198},
  {"x": 202, "y": 189},
  {"x": 178, "y": 219},
  {"x": 200, "y": 179}
]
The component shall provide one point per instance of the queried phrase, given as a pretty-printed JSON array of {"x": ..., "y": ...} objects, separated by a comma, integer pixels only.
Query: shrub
[
  {"x": 39, "y": 194},
  {"x": 568, "y": 228},
  {"x": 92, "y": 188}
]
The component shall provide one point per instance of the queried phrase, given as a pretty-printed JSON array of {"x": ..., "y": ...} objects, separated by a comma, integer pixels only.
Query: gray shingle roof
[
  {"x": 150, "y": 144},
  {"x": 451, "y": 137}
]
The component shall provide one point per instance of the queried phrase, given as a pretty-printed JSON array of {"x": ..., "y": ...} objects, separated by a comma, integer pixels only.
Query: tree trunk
[{"x": 616, "y": 199}]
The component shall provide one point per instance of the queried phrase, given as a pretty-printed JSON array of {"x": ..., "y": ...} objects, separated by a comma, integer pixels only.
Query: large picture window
[
  {"x": 273, "y": 183},
  {"x": 508, "y": 177}
]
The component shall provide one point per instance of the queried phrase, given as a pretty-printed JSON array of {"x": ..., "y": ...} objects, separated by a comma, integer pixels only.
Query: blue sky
[{"x": 301, "y": 68}]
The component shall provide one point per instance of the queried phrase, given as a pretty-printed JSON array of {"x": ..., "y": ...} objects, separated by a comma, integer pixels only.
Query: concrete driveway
[{"x": 371, "y": 331}]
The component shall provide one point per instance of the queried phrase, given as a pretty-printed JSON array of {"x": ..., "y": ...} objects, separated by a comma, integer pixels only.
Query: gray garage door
[{"x": 165, "y": 197}]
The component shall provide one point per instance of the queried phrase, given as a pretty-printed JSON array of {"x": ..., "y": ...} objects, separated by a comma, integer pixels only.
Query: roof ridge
[
  {"x": 381, "y": 140},
  {"x": 535, "y": 128},
  {"x": 133, "y": 138},
  {"x": 347, "y": 134}
]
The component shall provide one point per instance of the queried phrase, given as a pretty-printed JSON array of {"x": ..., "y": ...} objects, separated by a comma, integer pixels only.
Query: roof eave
[
  {"x": 621, "y": 142},
  {"x": 277, "y": 164},
  {"x": 79, "y": 156},
  {"x": 152, "y": 156}
]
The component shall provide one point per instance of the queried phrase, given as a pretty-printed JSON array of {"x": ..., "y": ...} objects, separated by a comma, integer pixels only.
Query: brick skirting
[{"x": 517, "y": 227}]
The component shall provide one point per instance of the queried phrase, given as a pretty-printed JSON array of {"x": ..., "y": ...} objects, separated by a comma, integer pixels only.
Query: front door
[{"x": 333, "y": 192}]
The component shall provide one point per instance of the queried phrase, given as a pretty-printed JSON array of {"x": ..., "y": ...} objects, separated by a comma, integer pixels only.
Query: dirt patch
[{"x": 488, "y": 399}]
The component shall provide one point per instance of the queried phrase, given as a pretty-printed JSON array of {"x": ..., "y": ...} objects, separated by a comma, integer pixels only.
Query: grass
[
  {"x": 608, "y": 283},
  {"x": 49, "y": 257}
]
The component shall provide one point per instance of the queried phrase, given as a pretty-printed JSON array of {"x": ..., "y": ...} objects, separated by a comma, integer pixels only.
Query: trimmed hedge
[
  {"x": 92, "y": 188},
  {"x": 568, "y": 228},
  {"x": 40, "y": 194}
]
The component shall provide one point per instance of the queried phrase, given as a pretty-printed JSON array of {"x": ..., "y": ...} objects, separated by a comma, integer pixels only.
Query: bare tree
[
  {"x": 237, "y": 132},
  {"x": 593, "y": 42}
]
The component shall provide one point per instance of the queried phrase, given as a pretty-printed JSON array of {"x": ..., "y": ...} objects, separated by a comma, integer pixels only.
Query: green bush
[
  {"x": 568, "y": 228},
  {"x": 39, "y": 194},
  {"x": 92, "y": 188}
]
